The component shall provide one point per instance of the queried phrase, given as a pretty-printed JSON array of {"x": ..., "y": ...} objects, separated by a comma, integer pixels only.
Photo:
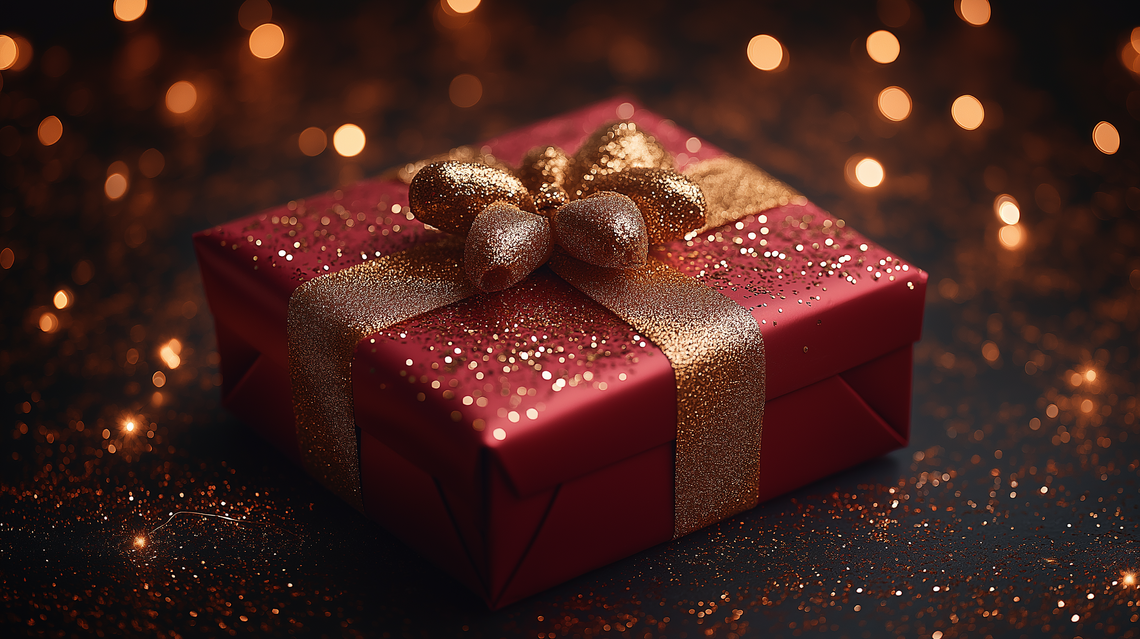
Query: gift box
[{"x": 521, "y": 411}]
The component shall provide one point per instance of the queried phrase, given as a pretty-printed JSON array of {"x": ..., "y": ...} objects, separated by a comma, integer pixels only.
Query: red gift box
[{"x": 521, "y": 438}]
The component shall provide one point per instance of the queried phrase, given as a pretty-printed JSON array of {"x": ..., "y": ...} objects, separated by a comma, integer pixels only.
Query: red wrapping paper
[{"x": 515, "y": 492}]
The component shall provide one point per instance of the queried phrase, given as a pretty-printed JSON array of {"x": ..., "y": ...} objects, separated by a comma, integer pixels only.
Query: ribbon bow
[{"x": 604, "y": 205}]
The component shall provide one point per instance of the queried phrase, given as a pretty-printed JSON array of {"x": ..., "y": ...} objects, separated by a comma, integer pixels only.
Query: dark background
[{"x": 837, "y": 558}]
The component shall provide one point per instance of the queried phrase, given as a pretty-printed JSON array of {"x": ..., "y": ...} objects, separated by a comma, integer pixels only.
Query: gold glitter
[
  {"x": 671, "y": 203},
  {"x": 504, "y": 245},
  {"x": 606, "y": 229},
  {"x": 448, "y": 195},
  {"x": 734, "y": 188},
  {"x": 544, "y": 171},
  {"x": 327, "y": 317},
  {"x": 717, "y": 354},
  {"x": 616, "y": 147}
]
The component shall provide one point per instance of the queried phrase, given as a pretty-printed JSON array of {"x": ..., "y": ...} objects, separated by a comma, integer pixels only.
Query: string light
[
  {"x": 869, "y": 172},
  {"x": 266, "y": 41},
  {"x": 1011, "y": 236},
  {"x": 1106, "y": 138},
  {"x": 461, "y": 6},
  {"x": 975, "y": 12},
  {"x": 9, "y": 52},
  {"x": 883, "y": 47},
  {"x": 1006, "y": 208},
  {"x": 349, "y": 140},
  {"x": 181, "y": 97},
  {"x": 129, "y": 10},
  {"x": 765, "y": 52},
  {"x": 61, "y": 299},
  {"x": 50, "y": 130},
  {"x": 967, "y": 112},
  {"x": 894, "y": 103},
  {"x": 169, "y": 353}
]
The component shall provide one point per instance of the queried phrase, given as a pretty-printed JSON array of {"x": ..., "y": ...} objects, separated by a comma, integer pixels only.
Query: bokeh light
[
  {"x": 9, "y": 52},
  {"x": 765, "y": 52},
  {"x": 140, "y": 542},
  {"x": 975, "y": 12},
  {"x": 883, "y": 47},
  {"x": 169, "y": 353},
  {"x": 1106, "y": 138},
  {"x": 348, "y": 140},
  {"x": 49, "y": 323},
  {"x": 967, "y": 112},
  {"x": 61, "y": 299},
  {"x": 461, "y": 6},
  {"x": 1011, "y": 236},
  {"x": 7, "y": 258},
  {"x": 869, "y": 173},
  {"x": 894, "y": 103},
  {"x": 158, "y": 379},
  {"x": 151, "y": 163},
  {"x": 1007, "y": 209},
  {"x": 465, "y": 91},
  {"x": 115, "y": 186},
  {"x": 1135, "y": 39},
  {"x": 129, "y": 10},
  {"x": 266, "y": 41},
  {"x": 50, "y": 130},
  {"x": 181, "y": 97},
  {"x": 312, "y": 141}
]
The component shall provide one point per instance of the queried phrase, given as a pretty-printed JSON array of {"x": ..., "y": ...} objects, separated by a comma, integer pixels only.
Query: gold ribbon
[{"x": 713, "y": 344}]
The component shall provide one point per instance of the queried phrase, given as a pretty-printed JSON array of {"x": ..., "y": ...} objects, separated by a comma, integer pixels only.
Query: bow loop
[{"x": 605, "y": 229}]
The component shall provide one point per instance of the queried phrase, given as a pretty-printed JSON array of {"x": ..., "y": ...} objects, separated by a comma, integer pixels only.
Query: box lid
[{"x": 539, "y": 377}]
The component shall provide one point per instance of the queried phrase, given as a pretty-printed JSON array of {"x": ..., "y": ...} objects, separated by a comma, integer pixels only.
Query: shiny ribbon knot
[{"x": 605, "y": 205}]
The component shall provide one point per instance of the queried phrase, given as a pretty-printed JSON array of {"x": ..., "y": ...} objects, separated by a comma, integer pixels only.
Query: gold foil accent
[
  {"x": 327, "y": 317},
  {"x": 671, "y": 203},
  {"x": 605, "y": 229},
  {"x": 615, "y": 147},
  {"x": 734, "y": 188},
  {"x": 448, "y": 195},
  {"x": 544, "y": 170},
  {"x": 504, "y": 245},
  {"x": 717, "y": 354}
]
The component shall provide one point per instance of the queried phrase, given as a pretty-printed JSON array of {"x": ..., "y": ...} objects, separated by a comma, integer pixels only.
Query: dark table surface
[{"x": 1012, "y": 513}]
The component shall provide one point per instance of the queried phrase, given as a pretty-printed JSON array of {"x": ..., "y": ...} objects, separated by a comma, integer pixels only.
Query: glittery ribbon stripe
[
  {"x": 717, "y": 354},
  {"x": 328, "y": 316}
]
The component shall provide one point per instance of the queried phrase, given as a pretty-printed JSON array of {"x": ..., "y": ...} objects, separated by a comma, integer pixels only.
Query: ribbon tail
[
  {"x": 327, "y": 317},
  {"x": 717, "y": 354}
]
